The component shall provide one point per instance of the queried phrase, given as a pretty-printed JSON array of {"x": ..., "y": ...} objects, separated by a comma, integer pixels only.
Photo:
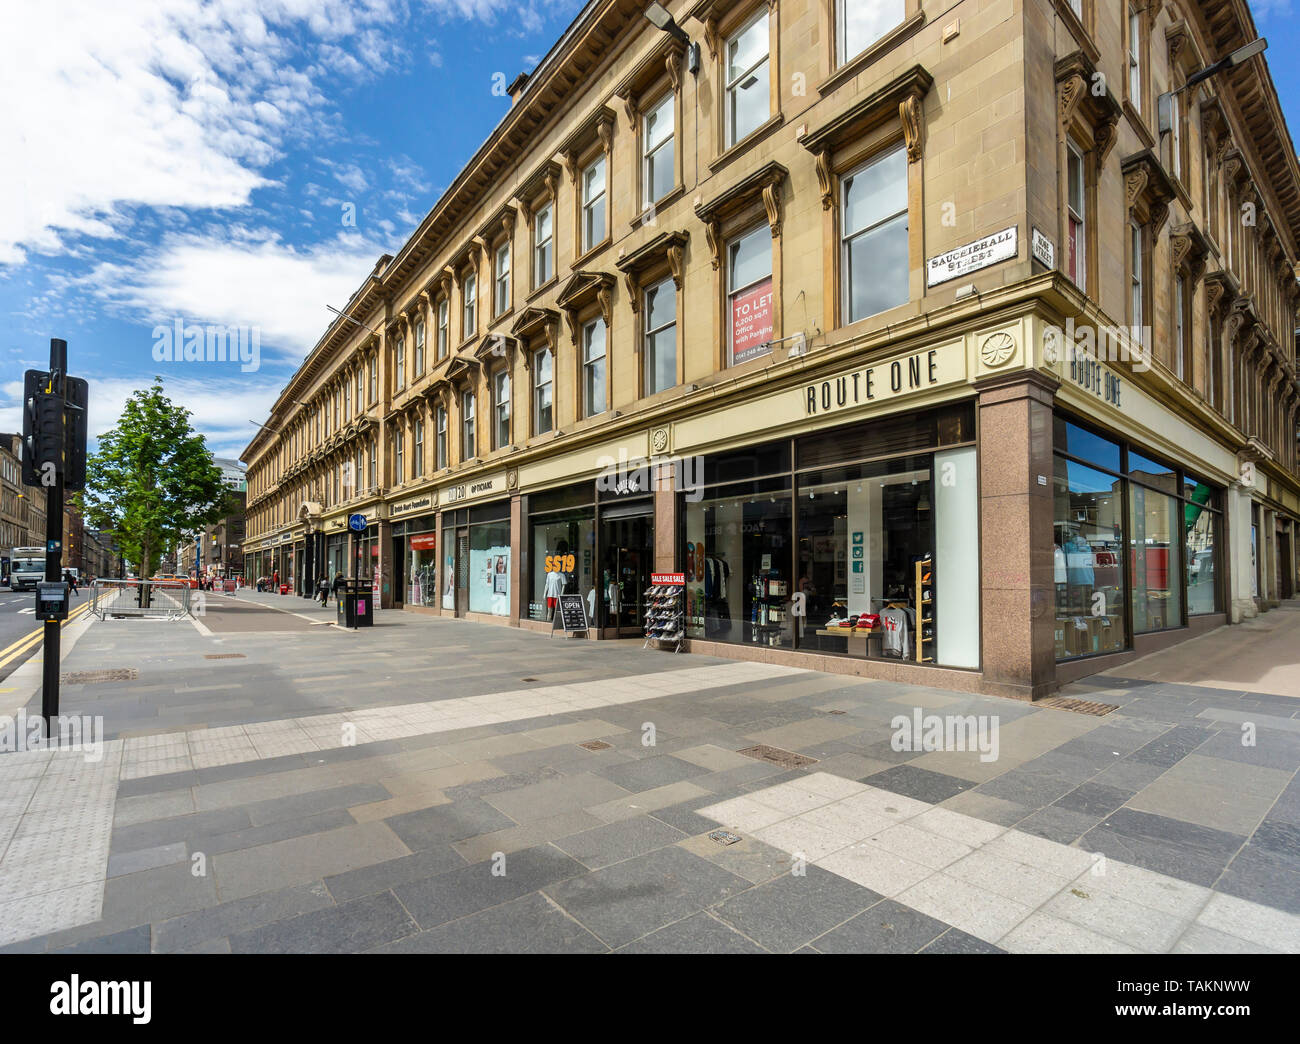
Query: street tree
[{"x": 151, "y": 477}]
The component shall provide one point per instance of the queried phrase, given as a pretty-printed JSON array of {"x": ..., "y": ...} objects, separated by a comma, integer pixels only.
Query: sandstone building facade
[{"x": 937, "y": 314}]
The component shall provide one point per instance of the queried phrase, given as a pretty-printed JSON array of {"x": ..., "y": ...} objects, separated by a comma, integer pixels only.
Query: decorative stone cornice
[
  {"x": 669, "y": 247},
  {"x": 764, "y": 183},
  {"x": 1188, "y": 250}
]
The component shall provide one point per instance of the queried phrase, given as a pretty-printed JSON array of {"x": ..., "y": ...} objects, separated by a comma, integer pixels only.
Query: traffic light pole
[{"x": 54, "y": 546}]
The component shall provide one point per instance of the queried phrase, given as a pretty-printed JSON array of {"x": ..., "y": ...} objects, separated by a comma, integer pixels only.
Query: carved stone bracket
[
  {"x": 912, "y": 117},
  {"x": 1147, "y": 189},
  {"x": 1082, "y": 92}
]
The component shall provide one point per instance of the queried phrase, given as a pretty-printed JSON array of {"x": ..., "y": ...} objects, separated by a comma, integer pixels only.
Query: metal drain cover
[
  {"x": 723, "y": 837},
  {"x": 91, "y": 677},
  {"x": 594, "y": 745},
  {"x": 1068, "y": 703},
  {"x": 224, "y": 656},
  {"x": 777, "y": 756}
]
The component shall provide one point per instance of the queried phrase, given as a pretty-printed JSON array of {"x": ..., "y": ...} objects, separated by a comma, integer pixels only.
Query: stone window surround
[
  {"x": 595, "y": 137},
  {"x": 662, "y": 257},
  {"x": 736, "y": 210},
  {"x": 719, "y": 25},
  {"x": 1089, "y": 121},
  {"x": 892, "y": 114}
]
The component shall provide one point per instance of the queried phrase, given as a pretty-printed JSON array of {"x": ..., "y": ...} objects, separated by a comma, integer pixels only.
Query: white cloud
[
  {"x": 246, "y": 279},
  {"x": 176, "y": 103}
]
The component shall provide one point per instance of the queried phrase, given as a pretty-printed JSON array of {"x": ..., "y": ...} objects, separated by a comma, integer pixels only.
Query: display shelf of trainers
[
  {"x": 665, "y": 617},
  {"x": 924, "y": 601}
]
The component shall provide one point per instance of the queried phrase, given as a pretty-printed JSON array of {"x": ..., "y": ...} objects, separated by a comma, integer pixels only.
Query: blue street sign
[{"x": 357, "y": 523}]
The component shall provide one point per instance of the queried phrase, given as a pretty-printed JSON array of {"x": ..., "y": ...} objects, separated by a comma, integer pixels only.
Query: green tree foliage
[{"x": 151, "y": 478}]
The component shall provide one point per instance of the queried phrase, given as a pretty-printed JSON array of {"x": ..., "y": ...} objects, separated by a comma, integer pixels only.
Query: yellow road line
[{"x": 25, "y": 645}]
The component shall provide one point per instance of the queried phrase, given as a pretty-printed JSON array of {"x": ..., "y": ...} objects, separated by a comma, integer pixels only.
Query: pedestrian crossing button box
[{"x": 52, "y": 600}]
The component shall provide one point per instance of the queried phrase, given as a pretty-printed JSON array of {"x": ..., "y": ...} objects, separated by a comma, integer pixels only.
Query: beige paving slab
[
  {"x": 646, "y": 801},
  {"x": 299, "y": 860},
  {"x": 803, "y": 734},
  {"x": 748, "y": 858},
  {"x": 713, "y": 758},
  {"x": 1219, "y": 808},
  {"x": 409, "y": 801}
]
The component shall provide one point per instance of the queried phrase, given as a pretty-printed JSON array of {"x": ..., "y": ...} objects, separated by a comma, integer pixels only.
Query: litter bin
[
  {"x": 284, "y": 588},
  {"x": 356, "y": 605}
]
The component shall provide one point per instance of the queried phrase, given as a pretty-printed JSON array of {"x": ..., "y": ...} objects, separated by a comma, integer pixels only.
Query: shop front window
[
  {"x": 448, "y": 569},
  {"x": 1203, "y": 526},
  {"x": 562, "y": 547},
  {"x": 489, "y": 568},
  {"x": 422, "y": 566},
  {"x": 1154, "y": 540},
  {"x": 1087, "y": 569},
  {"x": 739, "y": 586}
]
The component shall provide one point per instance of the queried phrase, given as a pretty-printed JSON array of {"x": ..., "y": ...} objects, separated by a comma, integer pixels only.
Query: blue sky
[{"x": 191, "y": 160}]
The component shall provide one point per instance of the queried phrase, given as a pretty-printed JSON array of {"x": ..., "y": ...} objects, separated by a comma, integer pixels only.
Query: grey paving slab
[
  {"x": 1093, "y": 799},
  {"x": 698, "y": 933},
  {"x": 954, "y": 940},
  {"x": 188, "y": 931},
  {"x": 361, "y": 924},
  {"x": 918, "y": 783},
  {"x": 1030, "y": 790},
  {"x": 146, "y": 859},
  {"x": 791, "y": 910},
  {"x": 432, "y": 827},
  {"x": 459, "y": 893},
  {"x": 543, "y": 800},
  {"x": 380, "y": 877},
  {"x": 281, "y": 830},
  {"x": 1171, "y": 747},
  {"x": 1060, "y": 824},
  {"x": 529, "y": 924},
  {"x": 885, "y": 927},
  {"x": 617, "y": 841},
  {"x": 1259, "y": 876},
  {"x": 640, "y": 895},
  {"x": 132, "y": 940},
  {"x": 178, "y": 828}
]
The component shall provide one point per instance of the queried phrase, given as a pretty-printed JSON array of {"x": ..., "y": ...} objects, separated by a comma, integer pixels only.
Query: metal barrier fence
[{"x": 148, "y": 599}]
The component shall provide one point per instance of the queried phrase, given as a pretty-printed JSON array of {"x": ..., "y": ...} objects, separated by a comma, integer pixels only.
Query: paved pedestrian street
[{"x": 269, "y": 782}]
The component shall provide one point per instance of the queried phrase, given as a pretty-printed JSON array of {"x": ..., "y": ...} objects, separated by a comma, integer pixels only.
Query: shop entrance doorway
[
  {"x": 462, "y": 572},
  {"x": 627, "y": 553},
  {"x": 1285, "y": 576},
  {"x": 399, "y": 572}
]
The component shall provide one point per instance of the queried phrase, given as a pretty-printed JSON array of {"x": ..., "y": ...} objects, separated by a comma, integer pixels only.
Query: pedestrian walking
[
  {"x": 70, "y": 580},
  {"x": 339, "y": 585},
  {"x": 323, "y": 590}
]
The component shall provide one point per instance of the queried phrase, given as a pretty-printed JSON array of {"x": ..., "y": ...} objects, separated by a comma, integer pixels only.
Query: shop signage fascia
[
  {"x": 1105, "y": 394},
  {"x": 484, "y": 487},
  {"x": 891, "y": 378},
  {"x": 420, "y": 503}
]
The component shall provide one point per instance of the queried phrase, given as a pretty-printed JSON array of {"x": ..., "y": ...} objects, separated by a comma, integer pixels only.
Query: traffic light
[
  {"x": 50, "y": 440},
  {"x": 43, "y": 439},
  {"x": 77, "y": 394}
]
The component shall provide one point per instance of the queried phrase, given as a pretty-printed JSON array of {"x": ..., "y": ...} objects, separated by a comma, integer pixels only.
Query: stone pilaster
[{"x": 1016, "y": 511}]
